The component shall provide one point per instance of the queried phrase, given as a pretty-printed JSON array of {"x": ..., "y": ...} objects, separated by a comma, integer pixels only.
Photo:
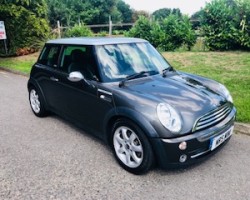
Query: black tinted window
[{"x": 49, "y": 56}]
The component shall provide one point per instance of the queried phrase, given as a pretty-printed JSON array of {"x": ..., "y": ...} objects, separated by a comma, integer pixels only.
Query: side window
[
  {"x": 49, "y": 56},
  {"x": 79, "y": 58}
]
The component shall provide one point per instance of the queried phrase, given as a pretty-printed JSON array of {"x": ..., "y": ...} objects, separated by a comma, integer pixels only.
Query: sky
[{"x": 186, "y": 6}]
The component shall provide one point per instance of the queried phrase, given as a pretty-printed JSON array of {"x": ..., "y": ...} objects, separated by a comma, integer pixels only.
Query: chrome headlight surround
[
  {"x": 225, "y": 92},
  {"x": 169, "y": 117}
]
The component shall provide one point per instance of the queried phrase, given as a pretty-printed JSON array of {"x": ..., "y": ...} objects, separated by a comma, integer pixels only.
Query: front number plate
[{"x": 217, "y": 141}]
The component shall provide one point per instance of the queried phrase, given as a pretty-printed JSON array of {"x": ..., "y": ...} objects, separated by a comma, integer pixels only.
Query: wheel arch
[
  {"x": 132, "y": 115},
  {"x": 33, "y": 83}
]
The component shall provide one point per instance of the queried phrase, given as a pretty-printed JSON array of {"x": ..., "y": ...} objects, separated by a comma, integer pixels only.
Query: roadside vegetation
[
  {"x": 222, "y": 25},
  {"x": 229, "y": 68}
]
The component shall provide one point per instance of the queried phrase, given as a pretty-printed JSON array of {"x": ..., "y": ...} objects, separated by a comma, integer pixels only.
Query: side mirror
[{"x": 76, "y": 76}]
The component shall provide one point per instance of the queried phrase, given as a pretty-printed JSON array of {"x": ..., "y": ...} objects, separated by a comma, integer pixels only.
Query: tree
[
  {"x": 125, "y": 10},
  {"x": 137, "y": 13},
  {"x": 88, "y": 11},
  {"x": 163, "y": 13},
  {"x": 26, "y": 24}
]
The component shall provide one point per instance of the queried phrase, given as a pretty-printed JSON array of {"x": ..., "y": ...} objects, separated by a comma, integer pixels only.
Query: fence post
[
  {"x": 5, "y": 46},
  {"x": 59, "y": 29},
  {"x": 110, "y": 26}
]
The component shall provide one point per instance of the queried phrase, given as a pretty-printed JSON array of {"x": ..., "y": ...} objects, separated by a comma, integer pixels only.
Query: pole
[
  {"x": 5, "y": 46},
  {"x": 59, "y": 29},
  {"x": 110, "y": 26}
]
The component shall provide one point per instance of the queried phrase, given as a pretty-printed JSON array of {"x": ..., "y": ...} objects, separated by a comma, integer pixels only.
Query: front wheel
[
  {"x": 131, "y": 147},
  {"x": 37, "y": 102}
]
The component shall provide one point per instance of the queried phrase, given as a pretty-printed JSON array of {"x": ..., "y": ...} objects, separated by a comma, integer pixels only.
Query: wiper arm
[
  {"x": 132, "y": 76},
  {"x": 165, "y": 71}
]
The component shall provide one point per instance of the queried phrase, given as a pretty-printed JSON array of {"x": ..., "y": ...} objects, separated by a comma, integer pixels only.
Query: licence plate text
[{"x": 217, "y": 141}]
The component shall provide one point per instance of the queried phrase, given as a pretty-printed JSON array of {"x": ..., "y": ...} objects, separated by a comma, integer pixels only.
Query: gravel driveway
[{"x": 48, "y": 158}]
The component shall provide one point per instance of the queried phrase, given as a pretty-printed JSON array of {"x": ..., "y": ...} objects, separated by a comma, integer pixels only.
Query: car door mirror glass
[{"x": 76, "y": 76}]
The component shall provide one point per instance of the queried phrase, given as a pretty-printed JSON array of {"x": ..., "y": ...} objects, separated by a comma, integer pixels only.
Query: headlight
[
  {"x": 169, "y": 117},
  {"x": 224, "y": 91}
]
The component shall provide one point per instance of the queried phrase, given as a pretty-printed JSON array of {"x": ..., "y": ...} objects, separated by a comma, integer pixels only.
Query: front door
[{"x": 82, "y": 101}]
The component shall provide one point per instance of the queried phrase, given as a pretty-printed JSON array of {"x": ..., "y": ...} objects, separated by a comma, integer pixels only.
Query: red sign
[{"x": 2, "y": 31}]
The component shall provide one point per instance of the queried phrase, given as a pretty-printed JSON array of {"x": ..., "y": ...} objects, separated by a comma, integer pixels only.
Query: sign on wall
[{"x": 2, "y": 31}]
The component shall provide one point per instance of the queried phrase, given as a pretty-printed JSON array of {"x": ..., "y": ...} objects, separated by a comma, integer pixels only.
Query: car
[{"x": 123, "y": 91}]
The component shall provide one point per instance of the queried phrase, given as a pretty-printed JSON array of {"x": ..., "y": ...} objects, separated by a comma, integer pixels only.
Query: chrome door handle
[{"x": 54, "y": 79}]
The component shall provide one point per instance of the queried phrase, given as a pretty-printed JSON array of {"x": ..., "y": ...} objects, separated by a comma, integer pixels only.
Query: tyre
[
  {"x": 131, "y": 147},
  {"x": 37, "y": 102}
]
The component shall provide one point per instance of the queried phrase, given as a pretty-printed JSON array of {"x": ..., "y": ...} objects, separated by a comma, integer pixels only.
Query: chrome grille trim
[
  {"x": 213, "y": 117},
  {"x": 214, "y": 113},
  {"x": 202, "y": 122}
]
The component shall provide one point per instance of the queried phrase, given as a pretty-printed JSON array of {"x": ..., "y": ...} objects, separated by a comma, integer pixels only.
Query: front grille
[{"x": 213, "y": 117}]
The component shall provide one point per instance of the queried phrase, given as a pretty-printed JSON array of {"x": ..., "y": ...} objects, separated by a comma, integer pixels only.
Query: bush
[
  {"x": 79, "y": 30},
  {"x": 26, "y": 30},
  {"x": 223, "y": 28},
  {"x": 169, "y": 34},
  {"x": 102, "y": 34},
  {"x": 141, "y": 29}
]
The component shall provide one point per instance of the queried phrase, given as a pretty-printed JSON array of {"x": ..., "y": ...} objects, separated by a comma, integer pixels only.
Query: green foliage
[
  {"x": 79, "y": 30},
  {"x": 196, "y": 19},
  {"x": 223, "y": 28},
  {"x": 189, "y": 36},
  {"x": 102, "y": 34},
  {"x": 125, "y": 10},
  {"x": 163, "y": 13},
  {"x": 88, "y": 11},
  {"x": 26, "y": 25},
  {"x": 137, "y": 13},
  {"x": 169, "y": 34},
  {"x": 244, "y": 25},
  {"x": 141, "y": 29}
]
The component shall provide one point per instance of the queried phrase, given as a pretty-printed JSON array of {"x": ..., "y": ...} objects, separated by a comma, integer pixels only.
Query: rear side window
[{"x": 49, "y": 56}]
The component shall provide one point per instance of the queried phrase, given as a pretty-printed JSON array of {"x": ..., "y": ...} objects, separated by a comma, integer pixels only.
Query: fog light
[
  {"x": 182, "y": 145},
  {"x": 183, "y": 158}
]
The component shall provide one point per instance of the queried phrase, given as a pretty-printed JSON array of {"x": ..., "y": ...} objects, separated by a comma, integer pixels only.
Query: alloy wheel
[
  {"x": 128, "y": 147},
  {"x": 34, "y": 101}
]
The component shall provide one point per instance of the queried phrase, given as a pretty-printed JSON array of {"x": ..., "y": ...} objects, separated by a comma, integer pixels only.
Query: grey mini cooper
[{"x": 123, "y": 91}]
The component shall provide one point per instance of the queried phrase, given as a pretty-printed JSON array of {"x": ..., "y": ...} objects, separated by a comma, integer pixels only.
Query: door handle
[{"x": 54, "y": 79}]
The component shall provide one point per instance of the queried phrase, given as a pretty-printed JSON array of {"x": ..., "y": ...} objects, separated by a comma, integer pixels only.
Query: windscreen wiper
[
  {"x": 165, "y": 71},
  {"x": 133, "y": 76}
]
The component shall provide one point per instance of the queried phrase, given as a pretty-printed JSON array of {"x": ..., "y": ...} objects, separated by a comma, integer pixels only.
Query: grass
[
  {"x": 230, "y": 68},
  {"x": 20, "y": 64}
]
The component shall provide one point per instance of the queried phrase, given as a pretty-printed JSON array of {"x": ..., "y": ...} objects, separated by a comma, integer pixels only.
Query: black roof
[{"x": 95, "y": 40}]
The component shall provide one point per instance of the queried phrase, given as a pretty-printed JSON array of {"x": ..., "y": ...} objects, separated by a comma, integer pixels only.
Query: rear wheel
[
  {"x": 37, "y": 102},
  {"x": 131, "y": 147}
]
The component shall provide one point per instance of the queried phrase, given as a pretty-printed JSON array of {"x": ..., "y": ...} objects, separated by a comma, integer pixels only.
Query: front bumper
[{"x": 199, "y": 145}]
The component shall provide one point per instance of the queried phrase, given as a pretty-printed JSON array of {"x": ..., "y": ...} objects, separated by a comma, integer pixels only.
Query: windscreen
[{"x": 121, "y": 60}]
